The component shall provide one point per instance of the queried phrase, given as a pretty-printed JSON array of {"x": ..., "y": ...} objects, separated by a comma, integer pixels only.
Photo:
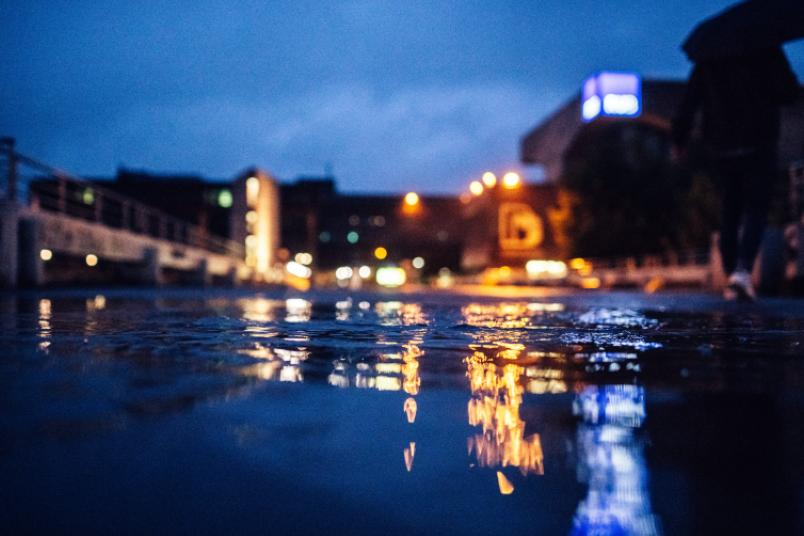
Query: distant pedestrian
[{"x": 740, "y": 99}]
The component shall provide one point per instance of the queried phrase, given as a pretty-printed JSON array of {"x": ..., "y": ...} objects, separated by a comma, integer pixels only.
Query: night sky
[{"x": 395, "y": 96}]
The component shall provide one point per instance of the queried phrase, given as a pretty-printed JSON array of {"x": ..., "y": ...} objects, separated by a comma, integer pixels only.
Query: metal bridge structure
[{"x": 59, "y": 228}]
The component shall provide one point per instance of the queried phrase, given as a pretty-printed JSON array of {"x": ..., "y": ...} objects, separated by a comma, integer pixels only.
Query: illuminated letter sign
[
  {"x": 520, "y": 229},
  {"x": 612, "y": 95}
]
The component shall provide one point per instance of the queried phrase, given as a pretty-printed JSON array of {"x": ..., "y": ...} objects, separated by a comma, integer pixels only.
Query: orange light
[
  {"x": 411, "y": 199},
  {"x": 577, "y": 263},
  {"x": 380, "y": 253},
  {"x": 590, "y": 282},
  {"x": 511, "y": 180},
  {"x": 476, "y": 187},
  {"x": 489, "y": 179},
  {"x": 91, "y": 260}
]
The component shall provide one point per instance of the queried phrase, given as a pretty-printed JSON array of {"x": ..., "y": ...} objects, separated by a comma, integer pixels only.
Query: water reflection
[
  {"x": 611, "y": 462},
  {"x": 494, "y": 408},
  {"x": 280, "y": 364},
  {"x": 45, "y": 330},
  {"x": 298, "y": 310}
]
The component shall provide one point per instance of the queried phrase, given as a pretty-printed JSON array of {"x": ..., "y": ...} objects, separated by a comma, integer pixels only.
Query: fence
[{"x": 38, "y": 186}]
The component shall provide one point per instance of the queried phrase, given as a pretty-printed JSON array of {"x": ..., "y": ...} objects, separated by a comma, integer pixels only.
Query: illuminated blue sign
[{"x": 611, "y": 94}]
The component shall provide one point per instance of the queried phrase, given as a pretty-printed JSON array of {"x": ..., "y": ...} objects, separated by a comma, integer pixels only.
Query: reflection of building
[
  {"x": 611, "y": 463},
  {"x": 501, "y": 440}
]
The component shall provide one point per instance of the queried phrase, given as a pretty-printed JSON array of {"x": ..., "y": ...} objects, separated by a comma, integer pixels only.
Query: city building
[
  {"x": 618, "y": 103},
  {"x": 340, "y": 229}
]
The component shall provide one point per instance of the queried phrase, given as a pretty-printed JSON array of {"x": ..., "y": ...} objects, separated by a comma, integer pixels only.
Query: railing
[
  {"x": 41, "y": 187},
  {"x": 692, "y": 257}
]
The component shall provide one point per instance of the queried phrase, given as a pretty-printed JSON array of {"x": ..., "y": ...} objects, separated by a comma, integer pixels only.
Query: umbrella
[{"x": 744, "y": 27}]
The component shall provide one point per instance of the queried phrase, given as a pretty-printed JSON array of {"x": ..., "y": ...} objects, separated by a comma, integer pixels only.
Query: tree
[{"x": 628, "y": 198}]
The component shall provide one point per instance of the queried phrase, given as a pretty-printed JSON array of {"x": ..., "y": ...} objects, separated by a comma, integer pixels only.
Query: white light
[
  {"x": 299, "y": 270},
  {"x": 418, "y": 263},
  {"x": 45, "y": 255},
  {"x": 344, "y": 272},
  {"x": 544, "y": 269},
  {"x": 91, "y": 260},
  {"x": 389, "y": 276},
  {"x": 614, "y": 104},
  {"x": 511, "y": 180},
  {"x": 303, "y": 258},
  {"x": 364, "y": 272},
  {"x": 591, "y": 107}
]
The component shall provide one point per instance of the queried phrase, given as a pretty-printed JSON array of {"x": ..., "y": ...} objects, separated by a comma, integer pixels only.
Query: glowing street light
[
  {"x": 411, "y": 199},
  {"x": 380, "y": 253},
  {"x": 489, "y": 179},
  {"x": 91, "y": 260},
  {"x": 511, "y": 180},
  {"x": 45, "y": 255},
  {"x": 476, "y": 187}
]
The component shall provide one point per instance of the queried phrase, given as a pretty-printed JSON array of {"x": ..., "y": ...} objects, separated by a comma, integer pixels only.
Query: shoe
[{"x": 740, "y": 287}]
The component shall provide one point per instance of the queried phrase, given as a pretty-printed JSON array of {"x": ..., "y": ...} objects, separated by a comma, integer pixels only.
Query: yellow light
[
  {"x": 45, "y": 255},
  {"x": 251, "y": 241},
  {"x": 476, "y": 187},
  {"x": 409, "y": 407},
  {"x": 577, "y": 263},
  {"x": 590, "y": 282},
  {"x": 489, "y": 179},
  {"x": 251, "y": 217},
  {"x": 506, "y": 488},
  {"x": 380, "y": 253},
  {"x": 389, "y": 276},
  {"x": 91, "y": 260},
  {"x": 252, "y": 191},
  {"x": 412, "y": 199},
  {"x": 511, "y": 180}
]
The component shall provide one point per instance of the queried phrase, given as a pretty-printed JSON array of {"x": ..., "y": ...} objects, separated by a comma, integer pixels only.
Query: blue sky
[{"x": 395, "y": 96}]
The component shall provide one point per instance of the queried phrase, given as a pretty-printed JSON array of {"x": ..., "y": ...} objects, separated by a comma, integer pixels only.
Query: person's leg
[
  {"x": 728, "y": 177},
  {"x": 759, "y": 176}
]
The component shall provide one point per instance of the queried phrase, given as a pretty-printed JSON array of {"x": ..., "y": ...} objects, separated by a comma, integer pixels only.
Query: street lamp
[
  {"x": 411, "y": 199},
  {"x": 511, "y": 180},
  {"x": 489, "y": 179},
  {"x": 476, "y": 187}
]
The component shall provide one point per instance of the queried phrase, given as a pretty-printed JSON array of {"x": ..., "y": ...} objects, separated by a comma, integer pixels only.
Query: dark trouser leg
[
  {"x": 758, "y": 176},
  {"x": 730, "y": 181}
]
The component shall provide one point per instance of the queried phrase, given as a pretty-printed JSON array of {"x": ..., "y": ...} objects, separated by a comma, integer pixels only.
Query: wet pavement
[{"x": 188, "y": 411}]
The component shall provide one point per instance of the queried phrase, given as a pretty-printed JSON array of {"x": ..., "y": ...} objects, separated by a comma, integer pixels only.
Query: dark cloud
[{"x": 396, "y": 95}]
